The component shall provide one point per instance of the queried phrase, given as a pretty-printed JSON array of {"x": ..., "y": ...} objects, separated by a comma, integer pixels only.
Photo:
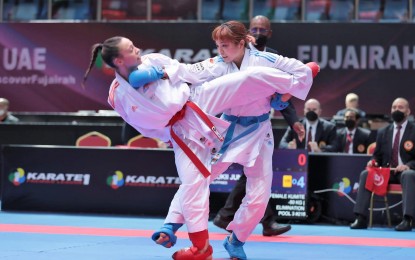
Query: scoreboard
[{"x": 289, "y": 183}]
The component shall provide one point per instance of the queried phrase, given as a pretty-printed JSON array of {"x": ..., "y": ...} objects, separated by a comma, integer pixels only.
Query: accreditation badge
[{"x": 408, "y": 145}]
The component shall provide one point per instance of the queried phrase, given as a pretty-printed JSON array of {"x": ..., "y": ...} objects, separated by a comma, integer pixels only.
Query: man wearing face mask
[
  {"x": 5, "y": 116},
  {"x": 320, "y": 133},
  {"x": 352, "y": 139},
  {"x": 394, "y": 149},
  {"x": 260, "y": 28}
]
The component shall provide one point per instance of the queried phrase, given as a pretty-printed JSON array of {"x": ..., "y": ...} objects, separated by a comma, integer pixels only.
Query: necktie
[
  {"x": 349, "y": 141},
  {"x": 309, "y": 138},
  {"x": 395, "y": 148}
]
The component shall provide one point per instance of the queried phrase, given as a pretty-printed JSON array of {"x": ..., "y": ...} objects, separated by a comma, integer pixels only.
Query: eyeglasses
[{"x": 258, "y": 30}]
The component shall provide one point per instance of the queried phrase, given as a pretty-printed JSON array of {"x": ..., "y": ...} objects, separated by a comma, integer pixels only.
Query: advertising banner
[
  {"x": 42, "y": 64},
  {"x": 95, "y": 180},
  {"x": 143, "y": 182}
]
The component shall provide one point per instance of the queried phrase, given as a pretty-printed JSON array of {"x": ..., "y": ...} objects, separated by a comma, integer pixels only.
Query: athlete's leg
[
  {"x": 192, "y": 202},
  {"x": 258, "y": 191},
  {"x": 244, "y": 87},
  {"x": 185, "y": 207}
]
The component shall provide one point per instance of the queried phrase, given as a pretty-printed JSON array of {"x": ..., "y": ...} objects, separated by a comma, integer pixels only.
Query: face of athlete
[
  {"x": 230, "y": 51},
  {"x": 129, "y": 55}
]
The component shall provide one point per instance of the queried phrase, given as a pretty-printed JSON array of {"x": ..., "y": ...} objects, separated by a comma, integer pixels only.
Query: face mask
[
  {"x": 350, "y": 123},
  {"x": 398, "y": 116},
  {"x": 2, "y": 112},
  {"x": 260, "y": 40},
  {"x": 311, "y": 116}
]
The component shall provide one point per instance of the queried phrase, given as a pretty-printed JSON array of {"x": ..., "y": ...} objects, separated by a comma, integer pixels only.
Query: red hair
[{"x": 233, "y": 31}]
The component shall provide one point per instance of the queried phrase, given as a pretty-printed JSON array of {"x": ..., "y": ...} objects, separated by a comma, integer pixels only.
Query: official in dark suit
[
  {"x": 260, "y": 28},
  {"x": 352, "y": 139},
  {"x": 395, "y": 149},
  {"x": 320, "y": 133}
]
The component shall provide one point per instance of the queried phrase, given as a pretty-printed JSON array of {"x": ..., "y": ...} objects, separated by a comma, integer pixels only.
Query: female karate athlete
[
  {"x": 249, "y": 140},
  {"x": 171, "y": 111}
]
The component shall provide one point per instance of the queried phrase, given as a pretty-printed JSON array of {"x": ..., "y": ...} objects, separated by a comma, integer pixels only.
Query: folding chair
[
  {"x": 93, "y": 138},
  {"x": 143, "y": 142},
  {"x": 392, "y": 189}
]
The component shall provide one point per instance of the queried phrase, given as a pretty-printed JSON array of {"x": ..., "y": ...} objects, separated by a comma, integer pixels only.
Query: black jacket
[
  {"x": 383, "y": 150},
  {"x": 361, "y": 140},
  {"x": 325, "y": 137}
]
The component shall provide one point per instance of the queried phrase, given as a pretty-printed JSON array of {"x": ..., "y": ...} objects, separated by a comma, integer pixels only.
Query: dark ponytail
[{"x": 109, "y": 51}]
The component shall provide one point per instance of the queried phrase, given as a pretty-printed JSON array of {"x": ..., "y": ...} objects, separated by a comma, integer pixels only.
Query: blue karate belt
[{"x": 245, "y": 121}]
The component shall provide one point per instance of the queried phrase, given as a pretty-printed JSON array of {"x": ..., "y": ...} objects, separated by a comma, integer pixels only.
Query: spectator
[
  {"x": 5, "y": 115},
  {"x": 351, "y": 138},
  {"x": 394, "y": 148},
  {"x": 351, "y": 101},
  {"x": 320, "y": 133}
]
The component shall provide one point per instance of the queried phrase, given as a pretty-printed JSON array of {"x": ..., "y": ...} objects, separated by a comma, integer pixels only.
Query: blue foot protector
[
  {"x": 169, "y": 229},
  {"x": 235, "y": 248}
]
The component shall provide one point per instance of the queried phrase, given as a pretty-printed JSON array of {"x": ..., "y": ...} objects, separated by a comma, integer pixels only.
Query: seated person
[
  {"x": 394, "y": 148},
  {"x": 351, "y": 101},
  {"x": 351, "y": 138},
  {"x": 320, "y": 133},
  {"x": 5, "y": 116}
]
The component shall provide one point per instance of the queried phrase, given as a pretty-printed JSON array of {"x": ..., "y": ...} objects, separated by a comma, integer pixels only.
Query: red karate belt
[
  {"x": 377, "y": 180},
  {"x": 178, "y": 116}
]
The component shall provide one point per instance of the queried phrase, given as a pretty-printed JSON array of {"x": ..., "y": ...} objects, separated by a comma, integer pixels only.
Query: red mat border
[{"x": 327, "y": 240}]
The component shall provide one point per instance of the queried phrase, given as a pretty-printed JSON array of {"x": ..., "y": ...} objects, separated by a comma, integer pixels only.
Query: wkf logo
[
  {"x": 116, "y": 180},
  {"x": 17, "y": 177}
]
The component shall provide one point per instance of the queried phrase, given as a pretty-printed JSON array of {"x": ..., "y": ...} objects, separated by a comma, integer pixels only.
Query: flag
[{"x": 377, "y": 180}]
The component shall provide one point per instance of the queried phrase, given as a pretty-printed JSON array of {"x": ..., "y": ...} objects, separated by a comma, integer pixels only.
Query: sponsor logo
[
  {"x": 359, "y": 57},
  {"x": 30, "y": 64},
  {"x": 19, "y": 176},
  {"x": 118, "y": 179},
  {"x": 185, "y": 55},
  {"x": 343, "y": 187}
]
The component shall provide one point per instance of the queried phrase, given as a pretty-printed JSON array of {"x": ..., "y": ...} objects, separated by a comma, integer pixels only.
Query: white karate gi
[
  {"x": 150, "y": 108},
  {"x": 255, "y": 150}
]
